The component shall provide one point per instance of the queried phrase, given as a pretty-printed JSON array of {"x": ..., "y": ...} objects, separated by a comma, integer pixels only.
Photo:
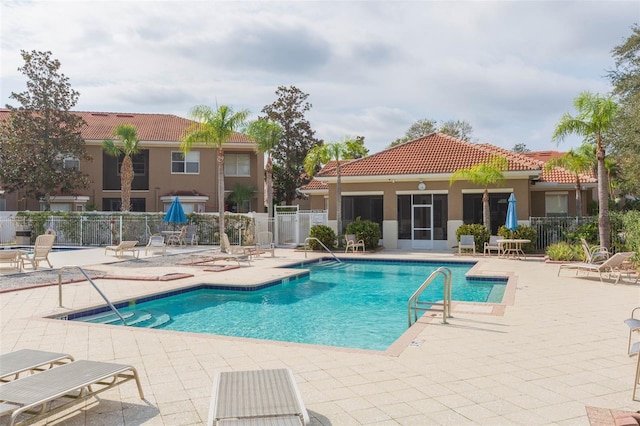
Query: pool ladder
[
  {"x": 415, "y": 305},
  {"x": 306, "y": 240}
]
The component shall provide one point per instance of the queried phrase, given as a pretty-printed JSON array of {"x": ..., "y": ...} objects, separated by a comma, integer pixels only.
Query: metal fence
[{"x": 553, "y": 230}]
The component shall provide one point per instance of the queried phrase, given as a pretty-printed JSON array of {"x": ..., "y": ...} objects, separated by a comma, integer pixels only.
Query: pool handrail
[
  {"x": 414, "y": 304},
  {"x": 325, "y": 247},
  {"x": 82, "y": 271}
]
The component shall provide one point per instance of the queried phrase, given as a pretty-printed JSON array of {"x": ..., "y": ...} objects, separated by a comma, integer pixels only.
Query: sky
[{"x": 511, "y": 69}]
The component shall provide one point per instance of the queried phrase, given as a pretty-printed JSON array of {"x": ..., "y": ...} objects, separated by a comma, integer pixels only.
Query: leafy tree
[
  {"x": 595, "y": 116},
  {"x": 267, "y": 134},
  {"x": 520, "y": 148},
  {"x": 240, "y": 194},
  {"x": 214, "y": 128},
  {"x": 456, "y": 128},
  {"x": 297, "y": 139},
  {"x": 336, "y": 151},
  {"x": 127, "y": 147},
  {"x": 483, "y": 174},
  {"x": 575, "y": 162},
  {"x": 626, "y": 82},
  {"x": 355, "y": 147},
  {"x": 42, "y": 132}
]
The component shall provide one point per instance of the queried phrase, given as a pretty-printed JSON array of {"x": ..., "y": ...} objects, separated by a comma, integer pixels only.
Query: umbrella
[
  {"x": 512, "y": 217},
  {"x": 175, "y": 214}
]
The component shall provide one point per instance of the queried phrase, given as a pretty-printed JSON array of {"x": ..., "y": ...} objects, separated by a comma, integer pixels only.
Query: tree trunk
[
  {"x": 578, "y": 197},
  {"x": 338, "y": 199},
  {"x": 126, "y": 178},
  {"x": 486, "y": 214},
  {"x": 221, "y": 191},
  {"x": 603, "y": 198},
  {"x": 269, "y": 169}
]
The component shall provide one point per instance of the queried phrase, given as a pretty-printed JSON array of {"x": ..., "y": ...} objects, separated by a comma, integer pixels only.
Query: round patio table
[{"x": 512, "y": 247}]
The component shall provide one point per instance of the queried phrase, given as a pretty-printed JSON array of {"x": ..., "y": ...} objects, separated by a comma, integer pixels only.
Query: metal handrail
[
  {"x": 325, "y": 247},
  {"x": 113, "y": 308},
  {"x": 414, "y": 304}
]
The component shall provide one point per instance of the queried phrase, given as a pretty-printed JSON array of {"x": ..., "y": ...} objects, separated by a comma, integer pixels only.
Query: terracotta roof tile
[
  {"x": 543, "y": 155},
  {"x": 150, "y": 127},
  {"x": 314, "y": 185}
]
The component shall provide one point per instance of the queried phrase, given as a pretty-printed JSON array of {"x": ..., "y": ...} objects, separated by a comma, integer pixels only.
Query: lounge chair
[
  {"x": 352, "y": 243},
  {"x": 156, "y": 245},
  {"x": 124, "y": 246},
  {"x": 467, "y": 242},
  {"x": 41, "y": 250},
  {"x": 177, "y": 239},
  {"x": 12, "y": 364},
  {"x": 12, "y": 258},
  {"x": 38, "y": 395},
  {"x": 265, "y": 243},
  {"x": 610, "y": 266},
  {"x": 594, "y": 254},
  {"x": 492, "y": 245},
  {"x": 259, "y": 397}
]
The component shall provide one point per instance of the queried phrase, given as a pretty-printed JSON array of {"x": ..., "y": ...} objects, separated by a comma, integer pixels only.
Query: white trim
[
  {"x": 422, "y": 177},
  {"x": 426, "y": 191},
  {"x": 491, "y": 190},
  {"x": 354, "y": 193},
  {"x": 557, "y": 193},
  {"x": 184, "y": 198},
  {"x": 67, "y": 199}
]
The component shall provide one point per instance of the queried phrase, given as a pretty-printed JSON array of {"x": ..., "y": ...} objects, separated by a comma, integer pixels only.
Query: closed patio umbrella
[
  {"x": 512, "y": 216},
  {"x": 175, "y": 214}
]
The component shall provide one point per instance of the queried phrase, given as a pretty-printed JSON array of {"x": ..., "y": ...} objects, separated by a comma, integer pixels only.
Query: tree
[
  {"x": 42, "y": 133},
  {"x": 595, "y": 116},
  {"x": 355, "y": 147},
  {"x": 625, "y": 79},
  {"x": 575, "y": 162},
  {"x": 267, "y": 135},
  {"x": 336, "y": 151},
  {"x": 483, "y": 174},
  {"x": 520, "y": 148},
  {"x": 297, "y": 139},
  {"x": 458, "y": 129},
  {"x": 214, "y": 128},
  {"x": 240, "y": 194},
  {"x": 126, "y": 148}
]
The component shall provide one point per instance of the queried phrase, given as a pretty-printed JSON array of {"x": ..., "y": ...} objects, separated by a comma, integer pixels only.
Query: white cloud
[{"x": 371, "y": 68}]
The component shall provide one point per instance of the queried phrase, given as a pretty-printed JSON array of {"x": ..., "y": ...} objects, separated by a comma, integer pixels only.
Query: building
[
  {"x": 407, "y": 190},
  {"x": 162, "y": 171}
]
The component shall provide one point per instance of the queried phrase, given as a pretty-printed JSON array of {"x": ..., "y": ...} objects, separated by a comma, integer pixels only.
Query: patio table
[{"x": 512, "y": 247}]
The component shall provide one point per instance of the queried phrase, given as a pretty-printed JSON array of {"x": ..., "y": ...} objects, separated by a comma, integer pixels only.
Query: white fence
[{"x": 291, "y": 225}]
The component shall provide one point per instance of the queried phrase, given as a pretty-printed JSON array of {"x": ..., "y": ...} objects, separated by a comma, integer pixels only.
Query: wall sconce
[{"x": 421, "y": 186}]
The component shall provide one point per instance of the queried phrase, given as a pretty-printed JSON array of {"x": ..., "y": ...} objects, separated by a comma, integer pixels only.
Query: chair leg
[{"x": 635, "y": 382}]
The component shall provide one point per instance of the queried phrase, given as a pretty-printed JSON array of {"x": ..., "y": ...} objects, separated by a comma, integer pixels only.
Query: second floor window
[
  {"x": 237, "y": 165},
  {"x": 182, "y": 162},
  {"x": 139, "y": 164}
]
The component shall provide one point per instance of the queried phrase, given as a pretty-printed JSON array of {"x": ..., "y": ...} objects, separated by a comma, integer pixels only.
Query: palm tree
[
  {"x": 483, "y": 174},
  {"x": 336, "y": 151},
  {"x": 129, "y": 146},
  {"x": 267, "y": 134},
  {"x": 595, "y": 117},
  {"x": 214, "y": 128},
  {"x": 575, "y": 162}
]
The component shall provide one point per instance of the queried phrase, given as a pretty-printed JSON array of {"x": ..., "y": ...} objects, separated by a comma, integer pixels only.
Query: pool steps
[{"x": 149, "y": 318}]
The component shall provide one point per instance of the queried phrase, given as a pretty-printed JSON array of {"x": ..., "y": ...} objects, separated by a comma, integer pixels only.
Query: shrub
[
  {"x": 480, "y": 234},
  {"x": 323, "y": 233},
  {"x": 522, "y": 232},
  {"x": 365, "y": 230},
  {"x": 565, "y": 252}
]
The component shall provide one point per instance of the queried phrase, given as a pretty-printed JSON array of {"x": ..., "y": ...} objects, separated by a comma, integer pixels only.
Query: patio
[{"x": 560, "y": 347}]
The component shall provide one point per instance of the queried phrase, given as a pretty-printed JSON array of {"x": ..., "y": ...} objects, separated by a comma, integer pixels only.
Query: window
[
  {"x": 139, "y": 164},
  {"x": 185, "y": 162},
  {"x": 237, "y": 165},
  {"x": 71, "y": 163},
  {"x": 556, "y": 204}
]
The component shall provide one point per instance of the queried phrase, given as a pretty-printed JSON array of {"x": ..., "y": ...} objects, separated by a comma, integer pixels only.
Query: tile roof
[
  {"x": 543, "y": 155},
  {"x": 150, "y": 127}
]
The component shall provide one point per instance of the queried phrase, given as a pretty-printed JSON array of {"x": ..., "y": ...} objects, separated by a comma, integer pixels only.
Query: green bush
[
  {"x": 324, "y": 234},
  {"x": 480, "y": 234},
  {"x": 365, "y": 230},
  {"x": 565, "y": 252},
  {"x": 522, "y": 232}
]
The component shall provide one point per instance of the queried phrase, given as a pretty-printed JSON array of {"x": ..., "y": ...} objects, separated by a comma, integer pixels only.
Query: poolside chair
[
  {"x": 226, "y": 247},
  {"x": 259, "y": 397},
  {"x": 12, "y": 364},
  {"x": 633, "y": 323},
  {"x": 12, "y": 258},
  {"x": 610, "y": 266},
  {"x": 156, "y": 245},
  {"x": 467, "y": 242},
  {"x": 124, "y": 246},
  {"x": 594, "y": 254},
  {"x": 265, "y": 243},
  {"x": 56, "y": 389},
  {"x": 41, "y": 250},
  {"x": 191, "y": 235},
  {"x": 492, "y": 245},
  {"x": 178, "y": 238},
  {"x": 352, "y": 243}
]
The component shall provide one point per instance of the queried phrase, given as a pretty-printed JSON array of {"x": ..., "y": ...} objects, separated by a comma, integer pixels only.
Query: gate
[{"x": 291, "y": 226}]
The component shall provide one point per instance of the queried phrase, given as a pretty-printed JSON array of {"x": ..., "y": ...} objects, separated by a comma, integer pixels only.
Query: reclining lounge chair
[
  {"x": 124, "y": 246},
  {"x": 54, "y": 390},
  {"x": 259, "y": 397},
  {"x": 609, "y": 266},
  {"x": 29, "y": 360},
  {"x": 41, "y": 250}
]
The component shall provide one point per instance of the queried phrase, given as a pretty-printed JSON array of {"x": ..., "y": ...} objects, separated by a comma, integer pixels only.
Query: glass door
[{"x": 422, "y": 220}]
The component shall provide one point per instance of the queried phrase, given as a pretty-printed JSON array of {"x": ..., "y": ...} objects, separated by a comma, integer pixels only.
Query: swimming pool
[{"x": 355, "y": 304}]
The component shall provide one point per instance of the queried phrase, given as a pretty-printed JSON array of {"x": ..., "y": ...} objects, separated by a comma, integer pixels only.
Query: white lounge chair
[
  {"x": 12, "y": 364},
  {"x": 156, "y": 245},
  {"x": 265, "y": 243},
  {"x": 467, "y": 242},
  {"x": 609, "y": 266},
  {"x": 54, "y": 390},
  {"x": 492, "y": 245},
  {"x": 352, "y": 243},
  {"x": 12, "y": 258},
  {"x": 41, "y": 250},
  {"x": 594, "y": 254},
  {"x": 177, "y": 239},
  {"x": 259, "y": 397},
  {"x": 124, "y": 246}
]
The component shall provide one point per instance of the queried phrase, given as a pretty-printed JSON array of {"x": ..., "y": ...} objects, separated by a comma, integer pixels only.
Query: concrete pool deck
[{"x": 561, "y": 346}]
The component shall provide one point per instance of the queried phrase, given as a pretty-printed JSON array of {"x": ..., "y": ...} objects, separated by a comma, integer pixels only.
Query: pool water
[{"x": 356, "y": 305}]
